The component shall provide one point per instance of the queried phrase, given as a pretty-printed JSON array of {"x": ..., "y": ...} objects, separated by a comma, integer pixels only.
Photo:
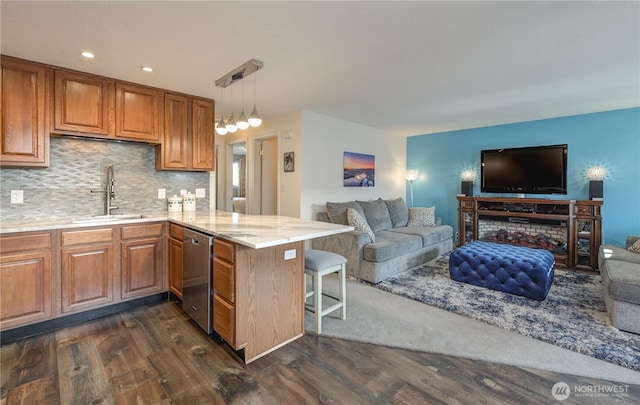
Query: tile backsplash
[{"x": 78, "y": 166}]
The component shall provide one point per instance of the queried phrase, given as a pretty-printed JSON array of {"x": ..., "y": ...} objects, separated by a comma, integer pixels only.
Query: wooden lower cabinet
[
  {"x": 258, "y": 300},
  {"x": 25, "y": 279},
  {"x": 176, "y": 244},
  {"x": 142, "y": 260},
  {"x": 86, "y": 275},
  {"x": 223, "y": 298}
]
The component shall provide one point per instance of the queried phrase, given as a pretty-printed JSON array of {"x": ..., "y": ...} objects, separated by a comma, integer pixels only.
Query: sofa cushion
[
  {"x": 359, "y": 223},
  {"x": 338, "y": 211},
  {"x": 376, "y": 214},
  {"x": 398, "y": 212},
  {"x": 422, "y": 216},
  {"x": 429, "y": 234},
  {"x": 635, "y": 247},
  {"x": 389, "y": 245},
  {"x": 625, "y": 280}
]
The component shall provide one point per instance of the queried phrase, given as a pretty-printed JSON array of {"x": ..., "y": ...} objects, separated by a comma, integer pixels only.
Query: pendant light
[
  {"x": 242, "y": 119},
  {"x": 221, "y": 126},
  {"x": 254, "y": 119},
  {"x": 231, "y": 122}
]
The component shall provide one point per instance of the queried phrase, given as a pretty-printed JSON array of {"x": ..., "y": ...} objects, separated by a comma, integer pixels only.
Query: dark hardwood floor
[{"x": 156, "y": 355}]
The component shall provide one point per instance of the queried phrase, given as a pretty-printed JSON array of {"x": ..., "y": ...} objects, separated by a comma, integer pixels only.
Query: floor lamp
[{"x": 411, "y": 175}]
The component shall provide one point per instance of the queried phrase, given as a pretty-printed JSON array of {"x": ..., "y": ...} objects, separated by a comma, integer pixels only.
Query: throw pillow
[
  {"x": 398, "y": 212},
  {"x": 337, "y": 211},
  {"x": 635, "y": 248},
  {"x": 358, "y": 222},
  {"x": 422, "y": 216},
  {"x": 376, "y": 214}
]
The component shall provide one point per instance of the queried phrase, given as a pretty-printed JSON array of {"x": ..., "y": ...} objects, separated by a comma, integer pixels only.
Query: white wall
[
  {"x": 286, "y": 128},
  {"x": 324, "y": 140},
  {"x": 318, "y": 142}
]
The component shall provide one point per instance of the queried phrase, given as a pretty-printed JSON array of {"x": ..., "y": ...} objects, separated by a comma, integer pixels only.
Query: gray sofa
[
  {"x": 620, "y": 272},
  {"x": 397, "y": 247}
]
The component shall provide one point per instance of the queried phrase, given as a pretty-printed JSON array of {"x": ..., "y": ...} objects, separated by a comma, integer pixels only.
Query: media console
[{"x": 576, "y": 222}]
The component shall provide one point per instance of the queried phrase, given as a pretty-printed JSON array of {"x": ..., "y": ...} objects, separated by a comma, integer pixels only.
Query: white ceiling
[{"x": 406, "y": 67}]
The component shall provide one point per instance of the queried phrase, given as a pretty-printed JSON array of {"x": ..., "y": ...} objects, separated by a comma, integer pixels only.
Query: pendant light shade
[
  {"x": 254, "y": 118},
  {"x": 231, "y": 124},
  {"x": 242, "y": 122},
  {"x": 221, "y": 127}
]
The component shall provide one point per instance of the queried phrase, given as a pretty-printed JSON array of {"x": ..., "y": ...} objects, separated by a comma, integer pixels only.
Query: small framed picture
[{"x": 289, "y": 162}]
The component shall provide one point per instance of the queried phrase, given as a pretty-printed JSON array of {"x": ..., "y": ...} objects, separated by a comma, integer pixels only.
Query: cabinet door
[
  {"x": 87, "y": 276},
  {"x": 82, "y": 102},
  {"x": 24, "y": 141},
  {"x": 25, "y": 288},
  {"x": 142, "y": 267},
  {"x": 137, "y": 112},
  {"x": 175, "y": 154},
  {"x": 202, "y": 135},
  {"x": 175, "y": 266}
]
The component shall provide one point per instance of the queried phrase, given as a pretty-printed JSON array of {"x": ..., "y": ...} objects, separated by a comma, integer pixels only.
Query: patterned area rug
[{"x": 573, "y": 315}]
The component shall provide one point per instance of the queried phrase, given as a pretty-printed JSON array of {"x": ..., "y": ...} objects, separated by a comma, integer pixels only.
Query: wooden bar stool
[{"x": 317, "y": 264}]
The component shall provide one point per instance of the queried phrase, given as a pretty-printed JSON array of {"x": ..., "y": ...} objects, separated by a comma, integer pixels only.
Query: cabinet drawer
[
  {"x": 176, "y": 231},
  {"x": 466, "y": 204},
  {"x": 224, "y": 319},
  {"x": 224, "y": 250},
  {"x": 223, "y": 279},
  {"x": 70, "y": 238},
  {"x": 584, "y": 209},
  {"x": 142, "y": 231},
  {"x": 19, "y": 243}
]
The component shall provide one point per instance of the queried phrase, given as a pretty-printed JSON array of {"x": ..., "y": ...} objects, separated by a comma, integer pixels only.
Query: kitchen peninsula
[{"x": 258, "y": 294}]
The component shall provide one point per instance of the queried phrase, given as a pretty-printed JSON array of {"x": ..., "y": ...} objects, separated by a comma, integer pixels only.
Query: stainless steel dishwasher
[{"x": 197, "y": 285}]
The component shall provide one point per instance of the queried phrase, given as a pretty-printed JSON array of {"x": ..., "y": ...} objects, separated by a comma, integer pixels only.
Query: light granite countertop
[{"x": 254, "y": 231}]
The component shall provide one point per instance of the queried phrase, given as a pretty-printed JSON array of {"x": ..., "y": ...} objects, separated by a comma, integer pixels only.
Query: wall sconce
[
  {"x": 596, "y": 176},
  {"x": 467, "y": 182},
  {"x": 411, "y": 175}
]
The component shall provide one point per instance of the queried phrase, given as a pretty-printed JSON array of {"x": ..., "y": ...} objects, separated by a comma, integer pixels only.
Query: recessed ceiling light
[
  {"x": 147, "y": 68},
  {"x": 87, "y": 54}
]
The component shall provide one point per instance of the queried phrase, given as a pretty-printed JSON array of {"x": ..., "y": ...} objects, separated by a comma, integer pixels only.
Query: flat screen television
[{"x": 533, "y": 170}]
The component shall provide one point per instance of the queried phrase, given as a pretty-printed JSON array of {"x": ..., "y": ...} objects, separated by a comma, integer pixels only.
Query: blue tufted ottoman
[{"x": 514, "y": 269}]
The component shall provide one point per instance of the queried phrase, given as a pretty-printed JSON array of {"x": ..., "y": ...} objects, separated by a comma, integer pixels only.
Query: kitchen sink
[{"x": 105, "y": 218}]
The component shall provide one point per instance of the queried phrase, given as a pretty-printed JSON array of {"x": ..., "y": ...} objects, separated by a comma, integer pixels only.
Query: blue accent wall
[{"x": 610, "y": 139}]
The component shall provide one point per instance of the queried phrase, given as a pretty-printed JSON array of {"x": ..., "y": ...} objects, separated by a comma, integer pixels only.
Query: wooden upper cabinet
[
  {"x": 202, "y": 134},
  {"x": 175, "y": 154},
  {"x": 24, "y": 98},
  {"x": 189, "y": 138},
  {"x": 138, "y": 113},
  {"x": 82, "y": 103}
]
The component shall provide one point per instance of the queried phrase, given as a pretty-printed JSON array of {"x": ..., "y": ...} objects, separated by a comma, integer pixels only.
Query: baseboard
[{"x": 10, "y": 336}]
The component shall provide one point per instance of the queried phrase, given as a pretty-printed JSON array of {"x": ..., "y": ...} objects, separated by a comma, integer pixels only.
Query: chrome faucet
[{"x": 110, "y": 191}]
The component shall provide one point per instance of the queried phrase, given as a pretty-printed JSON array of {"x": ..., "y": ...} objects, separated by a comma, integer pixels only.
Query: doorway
[
  {"x": 266, "y": 175},
  {"x": 239, "y": 177}
]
